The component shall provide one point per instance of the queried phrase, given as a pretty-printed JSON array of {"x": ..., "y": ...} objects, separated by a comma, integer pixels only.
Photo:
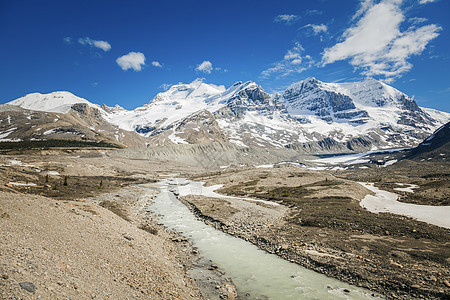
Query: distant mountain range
[{"x": 310, "y": 116}]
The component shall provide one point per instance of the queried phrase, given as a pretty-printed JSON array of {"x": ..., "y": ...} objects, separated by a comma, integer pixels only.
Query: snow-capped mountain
[
  {"x": 61, "y": 116},
  {"x": 369, "y": 108},
  {"x": 57, "y": 102},
  {"x": 310, "y": 115}
]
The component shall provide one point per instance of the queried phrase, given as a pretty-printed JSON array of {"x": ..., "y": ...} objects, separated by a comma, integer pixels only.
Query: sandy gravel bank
[{"x": 58, "y": 249}]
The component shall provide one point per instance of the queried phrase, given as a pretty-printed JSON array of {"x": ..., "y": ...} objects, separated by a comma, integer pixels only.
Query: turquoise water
[{"x": 256, "y": 273}]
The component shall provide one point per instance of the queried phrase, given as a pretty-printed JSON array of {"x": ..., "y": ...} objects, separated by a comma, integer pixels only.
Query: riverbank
[
  {"x": 68, "y": 206},
  {"x": 326, "y": 230},
  {"x": 54, "y": 249},
  {"x": 72, "y": 226}
]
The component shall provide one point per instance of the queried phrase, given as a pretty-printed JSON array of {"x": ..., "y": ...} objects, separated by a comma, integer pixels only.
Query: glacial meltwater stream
[{"x": 256, "y": 273}]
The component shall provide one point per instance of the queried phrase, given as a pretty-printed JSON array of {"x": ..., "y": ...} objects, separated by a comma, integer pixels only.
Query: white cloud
[
  {"x": 104, "y": 45},
  {"x": 376, "y": 44},
  {"x": 426, "y": 1},
  {"x": 165, "y": 86},
  {"x": 365, "y": 5},
  {"x": 288, "y": 19},
  {"x": 221, "y": 70},
  {"x": 68, "y": 40},
  {"x": 293, "y": 62},
  {"x": 417, "y": 20},
  {"x": 132, "y": 60},
  {"x": 312, "y": 12},
  {"x": 156, "y": 64},
  {"x": 205, "y": 67},
  {"x": 317, "y": 29}
]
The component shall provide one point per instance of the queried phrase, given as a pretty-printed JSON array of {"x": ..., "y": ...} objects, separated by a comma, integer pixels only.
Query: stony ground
[
  {"x": 325, "y": 229},
  {"x": 64, "y": 249},
  {"x": 73, "y": 227}
]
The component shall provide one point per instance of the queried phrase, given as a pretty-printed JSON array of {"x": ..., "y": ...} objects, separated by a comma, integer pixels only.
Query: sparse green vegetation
[{"x": 22, "y": 145}]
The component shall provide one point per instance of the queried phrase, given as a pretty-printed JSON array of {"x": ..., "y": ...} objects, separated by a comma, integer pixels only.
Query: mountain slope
[
  {"x": 57, "y": 102},
  {"x": 343, "y": 111},
  {"x": 82, "y": 123},
  {"x": 309, "y": 116},
  {"x": 435, "y": 147}
]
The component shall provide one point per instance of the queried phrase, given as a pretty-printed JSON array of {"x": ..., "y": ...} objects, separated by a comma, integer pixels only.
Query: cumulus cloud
[
  {"x": 156, "y": 64},
  {"x": 287, "y": 19},
  {"x": 104, "y": 45},
  {"x": 293, "y": 62},
  {"x": 205, "y": 67},
  {"x": 317, "y": 28},
  {"x": 132, "y": 60},
  {"x": 376, "y": 44},
  {"x": 426, "y": 1}
]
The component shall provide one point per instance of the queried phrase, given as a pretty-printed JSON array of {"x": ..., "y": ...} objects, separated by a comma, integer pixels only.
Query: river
[{"x": 256, "y": 273}]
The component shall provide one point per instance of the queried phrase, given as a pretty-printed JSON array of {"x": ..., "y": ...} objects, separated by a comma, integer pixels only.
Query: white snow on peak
[
  {"x": 177, "y": 103},
  {"x": 369, "y": 92},
  {"x": 376, "y": 104},
  {"x": 58, "y": 102},
  {"x": 194, "y": 90}
]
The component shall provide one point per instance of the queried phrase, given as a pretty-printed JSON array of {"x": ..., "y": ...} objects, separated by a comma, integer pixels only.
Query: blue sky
[{"x": 125, "y": 52}]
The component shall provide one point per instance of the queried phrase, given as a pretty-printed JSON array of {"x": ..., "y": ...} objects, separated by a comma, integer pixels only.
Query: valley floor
[
  {"x": 323, "y": 227},
  {"x": 73, "y": 225}
]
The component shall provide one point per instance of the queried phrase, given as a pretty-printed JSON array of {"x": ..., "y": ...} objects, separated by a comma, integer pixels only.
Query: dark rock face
[
  {"x": 253, "y": 98},
  {"x": 325, "y": 104},
  {"x": 340, "y": 102},
  {"x": 88, "y": 113},
  {"x": 329, "y": 145},
  {"x": 413, "y": 115},
  {"x": 440, "y": 139}
]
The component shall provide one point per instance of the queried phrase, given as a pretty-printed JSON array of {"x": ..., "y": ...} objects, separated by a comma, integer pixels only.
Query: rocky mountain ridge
[{"x": 311, "y": 116}]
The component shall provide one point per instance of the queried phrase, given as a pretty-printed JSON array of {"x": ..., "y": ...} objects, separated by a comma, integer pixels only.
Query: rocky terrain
[
  {"x": 72, "y": 202},
  {"x": 73, "y": 226},
  {"x": 322, "y": 226},
  {"x": 88, "y": 204}
]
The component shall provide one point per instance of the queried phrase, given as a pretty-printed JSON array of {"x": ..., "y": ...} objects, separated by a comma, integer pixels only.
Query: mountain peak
[
  {"x": 59, "y": 102},
  {"x": 311, "y": 79}
]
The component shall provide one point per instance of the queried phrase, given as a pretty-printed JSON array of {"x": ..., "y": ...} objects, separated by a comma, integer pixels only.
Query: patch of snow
[
  {"x": 238, "y": 142},
  {"x": 317, "y": 168},
  {"x": 390, "y": 162},
  {"x": 55, "y": 173},
  {"x": 384, "y": 201},
  {"x": 187, "y": 187},
  {"x": 7, "y": 132},
  {"x": 50, "y": 131},
  {"x": 264, "y": 166},
  {"x": 22, "y": 184},
  {"x": 176, "y": 139},
  {"x": 408, "y": 189}
]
